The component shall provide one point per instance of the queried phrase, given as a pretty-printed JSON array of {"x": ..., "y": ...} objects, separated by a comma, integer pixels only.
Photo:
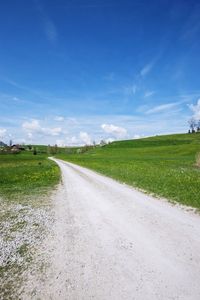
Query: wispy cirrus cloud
[
  {"x": 162, "y": 108},
  {"x": 136, "y": 85},
  {"x": 49, "y": 26},
  {"x": 50, "y": 30},
  {"x": 14, "y": 83},
  {"x": 146, "y": 69},
  {"x": 15, "y": 101},
  {"x": 149, "y": 94},
  {"x": 191, "y": 28},
  {"x": 130, "y": 90},
  {"x": 19, "y": 86}
]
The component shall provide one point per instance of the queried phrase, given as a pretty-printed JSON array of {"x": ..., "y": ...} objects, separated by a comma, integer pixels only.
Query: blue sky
[{"x": 75, "y": 71}]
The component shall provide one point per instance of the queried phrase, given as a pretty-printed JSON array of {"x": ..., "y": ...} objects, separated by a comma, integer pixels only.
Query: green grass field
[
  {"x": 162, "y": 165},
  {"x": 26, "y": 174}
]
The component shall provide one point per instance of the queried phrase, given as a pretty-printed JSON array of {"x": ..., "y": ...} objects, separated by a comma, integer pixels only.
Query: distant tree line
[{"x": 52, "y": 149}]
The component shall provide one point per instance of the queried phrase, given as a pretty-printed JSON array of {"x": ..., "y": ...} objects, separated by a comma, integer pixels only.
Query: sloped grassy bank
[
  {"x": 26, "y": 182},
  {"x": 162, "y": 165}
]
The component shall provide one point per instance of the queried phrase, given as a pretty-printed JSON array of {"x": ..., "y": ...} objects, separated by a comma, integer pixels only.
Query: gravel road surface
[{"x": 113, "y": 242}]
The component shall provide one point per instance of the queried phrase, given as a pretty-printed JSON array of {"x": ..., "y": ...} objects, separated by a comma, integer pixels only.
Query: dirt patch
[
  {"x": 198, "y": 160},
  {"x": 22, "y": 231}
]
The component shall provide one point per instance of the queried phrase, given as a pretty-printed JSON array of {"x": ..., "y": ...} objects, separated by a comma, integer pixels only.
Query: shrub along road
[{"x": 113, "y": 242}]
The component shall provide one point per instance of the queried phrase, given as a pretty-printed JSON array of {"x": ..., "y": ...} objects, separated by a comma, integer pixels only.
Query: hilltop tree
[
  {"x": 198, "y": 126},
  {"x": 192, "y": 123},
  {"x": 102, "y": 143}
]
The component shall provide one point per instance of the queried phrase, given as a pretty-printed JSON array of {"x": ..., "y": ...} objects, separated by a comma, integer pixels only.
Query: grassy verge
[
  {"x": 163, "y": 165},
  {"x": 26, "y": 174},
  {"x": 25, "y": 216}
]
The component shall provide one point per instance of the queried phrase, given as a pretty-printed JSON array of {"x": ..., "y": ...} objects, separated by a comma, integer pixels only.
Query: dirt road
[{"x": 113, "y": 242}]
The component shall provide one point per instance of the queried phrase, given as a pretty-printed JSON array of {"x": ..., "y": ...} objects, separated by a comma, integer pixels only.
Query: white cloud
[
  {"x": 72, "y": 141},
  {"x": 161, "y": 108},
  {"x": 118, "y": 132},
  {"x": 30, "y": 135},
  {"x": 136, "y": 136},
  {"x": 59, "y": 118},
  {"x": 60, "y": 143},
  {"x": 109, "y": 140},
  {"x": 52, "y": 131},
  {"x": 20, "y": 141},
  {"x": 84, "y": 136},
  {"x": 196, "y": 110},
  {"x": 46, "y": 130},
  {"x": 148, "y": 94},
  {"x": 146, "y": 69},
  {"x": 2, "y": 132},
  {"x": 34, "y": 126}
]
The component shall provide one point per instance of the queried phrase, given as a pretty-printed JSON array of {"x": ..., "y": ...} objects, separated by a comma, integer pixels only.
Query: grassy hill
[{"x": 162, "y": 165}]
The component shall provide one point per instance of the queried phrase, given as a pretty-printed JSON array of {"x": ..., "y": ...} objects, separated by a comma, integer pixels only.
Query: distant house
[{"x": 16, "y": 148}]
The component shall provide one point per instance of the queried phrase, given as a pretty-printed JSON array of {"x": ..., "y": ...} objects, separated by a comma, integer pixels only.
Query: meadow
[
  {"x": 164, "y": 166},
  {"x": 25, "y": 174}
]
